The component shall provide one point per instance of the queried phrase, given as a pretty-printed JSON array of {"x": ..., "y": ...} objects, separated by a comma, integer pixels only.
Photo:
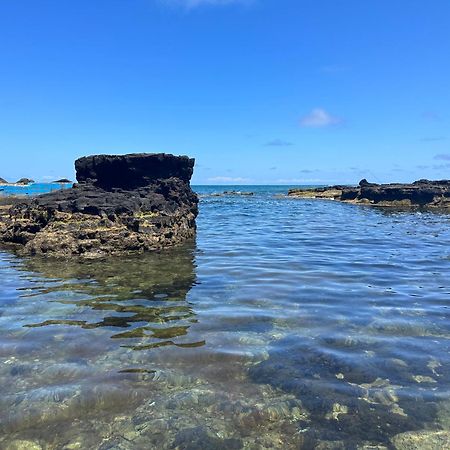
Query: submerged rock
[
  {"x": 422, "y": 193},
  {"x": 422, "y": 440},
  {"x": 124, "y": 203},
  {"x": 349, "y": 396},
  {"x": 20, "y": 444}
]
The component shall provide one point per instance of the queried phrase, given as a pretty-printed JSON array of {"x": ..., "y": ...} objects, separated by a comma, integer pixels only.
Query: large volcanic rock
[
  {"x": 423, "y": 193},
  {"x": 123, "y": 203}
]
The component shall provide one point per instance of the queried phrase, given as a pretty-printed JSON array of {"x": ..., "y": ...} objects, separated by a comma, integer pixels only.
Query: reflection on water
[
  {"x": 145, "y": 295},
  {"x": 290, "y": 324}
]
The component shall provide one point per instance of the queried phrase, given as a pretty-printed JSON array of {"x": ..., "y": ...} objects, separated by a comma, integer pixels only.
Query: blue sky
[{"x": 258, "y": 91}]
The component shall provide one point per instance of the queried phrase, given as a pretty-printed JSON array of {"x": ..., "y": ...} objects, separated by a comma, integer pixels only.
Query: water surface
[
  {"x": 289, "y": 323},
  {"x": 32, "y": 189}
]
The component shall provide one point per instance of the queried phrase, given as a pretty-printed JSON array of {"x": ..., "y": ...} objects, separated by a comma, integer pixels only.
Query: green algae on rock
[{"x": 124, "y": 203}]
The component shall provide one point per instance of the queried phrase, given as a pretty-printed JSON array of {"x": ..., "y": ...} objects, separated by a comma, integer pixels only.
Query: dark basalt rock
[
  {"x": 132, "y": 171},
  {"x": 423, "y": 193},
  {"x": 25, "y": 181},
  {"x": 232, "y": 194},
  {"x": 122, "y": 203}
]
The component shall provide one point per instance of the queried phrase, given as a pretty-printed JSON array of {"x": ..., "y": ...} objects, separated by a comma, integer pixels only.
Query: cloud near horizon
[
  {"x": 229, "y": 179},
  {"x": 433, "y": 139},
  {"x": 319, "y": 118}
]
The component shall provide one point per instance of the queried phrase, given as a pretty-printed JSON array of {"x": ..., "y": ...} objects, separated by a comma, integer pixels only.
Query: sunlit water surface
[{"x": 287, "y": 324}]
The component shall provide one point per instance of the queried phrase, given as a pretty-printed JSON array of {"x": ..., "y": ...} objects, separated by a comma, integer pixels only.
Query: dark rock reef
[
  {"x": 422, "y": 193},
  {"x": 25, "y": 181},
  {"x": 231, "y": 193},
  {"x": 135, "y": 202}
]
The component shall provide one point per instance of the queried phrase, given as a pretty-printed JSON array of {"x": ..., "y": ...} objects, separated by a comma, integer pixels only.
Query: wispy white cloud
[
  {"x": 334, "y": 68},
  {"x": 443, "y": 156},
  {"x": 319, "y": 118},
  {"x": 431, "y": 115},
  {"x": 229, "y": 180},
  {"x": 300, "y": 180},
  {"x": 189, "y": 4},
  {"x": 279, "y": 143},
  {"x": 433, "y": 139}
]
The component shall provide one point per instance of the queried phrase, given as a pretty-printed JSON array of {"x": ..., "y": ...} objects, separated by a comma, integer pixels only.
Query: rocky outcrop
[
  {"x": 62, "y": 180},
  {"x": 231, "y": 193},
  {"x": 136, "y": 202},
  {"x": 3, "y": 181},
  {"x": 25, "y": 181},
  {"x": 422, "y": 193}
]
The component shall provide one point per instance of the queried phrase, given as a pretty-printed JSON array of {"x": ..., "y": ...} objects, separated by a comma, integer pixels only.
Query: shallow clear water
[
  {"x": 32, "y": 189},
  {"x": 289, "y": 323}
]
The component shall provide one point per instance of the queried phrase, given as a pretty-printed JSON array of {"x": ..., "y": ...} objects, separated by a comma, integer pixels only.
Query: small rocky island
[
  {"x": 121, "y": 204},
  {"x": 422, "y": 193}
]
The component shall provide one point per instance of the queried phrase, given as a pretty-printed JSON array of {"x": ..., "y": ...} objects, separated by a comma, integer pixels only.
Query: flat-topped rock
[
  {"x": 422, "y": 193},
  {"x": 121, "y": 203}
]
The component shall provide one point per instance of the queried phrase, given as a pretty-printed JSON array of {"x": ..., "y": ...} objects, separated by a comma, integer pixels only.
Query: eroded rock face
[
  {"x": 422, "y": 193},
  {"x": 123, "y": 203}
]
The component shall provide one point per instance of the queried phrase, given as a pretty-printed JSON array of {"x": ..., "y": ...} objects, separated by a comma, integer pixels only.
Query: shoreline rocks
[
  {"x": 121, "y": 204},
  {"x": 421, "y": 193}
]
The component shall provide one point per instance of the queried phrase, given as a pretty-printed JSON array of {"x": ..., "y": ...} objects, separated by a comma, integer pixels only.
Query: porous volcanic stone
[{"x": 123, "y": 203}]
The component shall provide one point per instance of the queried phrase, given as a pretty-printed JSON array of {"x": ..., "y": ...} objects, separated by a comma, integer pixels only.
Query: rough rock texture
[
  {"x": 425, "y": 440},
  {"x": 124, "y": 203},
  {"x": 3, "y": 181},
  {"x": 422, "y": 193}
]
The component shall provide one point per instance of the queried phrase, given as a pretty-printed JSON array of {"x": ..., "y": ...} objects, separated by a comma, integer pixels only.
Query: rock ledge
[{"x": 422, "y": 193}]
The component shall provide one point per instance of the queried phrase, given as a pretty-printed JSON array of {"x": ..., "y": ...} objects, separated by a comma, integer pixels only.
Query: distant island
[{"x": 21, "y": 182}]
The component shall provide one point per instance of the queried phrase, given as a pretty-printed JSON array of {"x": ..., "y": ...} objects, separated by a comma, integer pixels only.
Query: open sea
[{"x": 287, "y": 324}]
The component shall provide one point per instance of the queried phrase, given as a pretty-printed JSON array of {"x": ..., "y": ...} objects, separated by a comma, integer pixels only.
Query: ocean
[
  {"x": 288, "y": 323},
  {"x": 32, "y": 189}
]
